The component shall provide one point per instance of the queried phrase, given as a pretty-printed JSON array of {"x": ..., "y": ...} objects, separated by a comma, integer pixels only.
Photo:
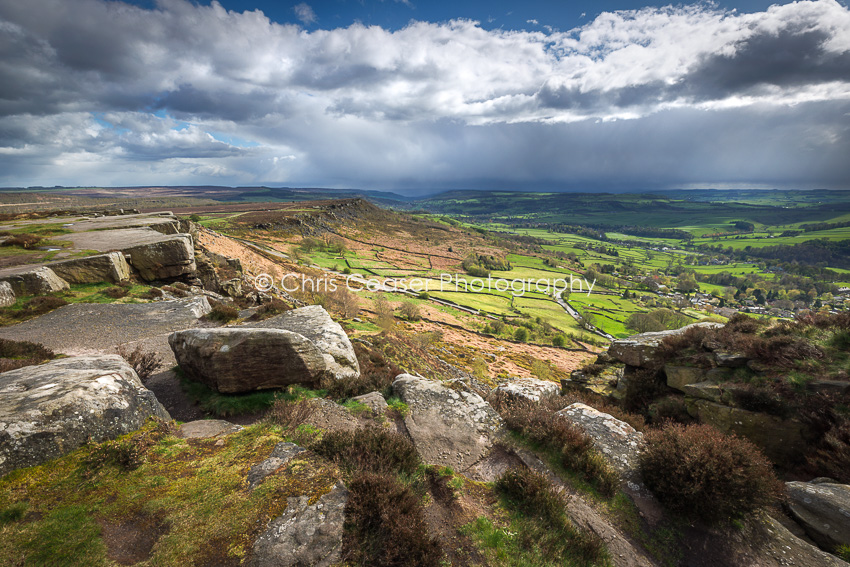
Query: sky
[{"x": 415, "y": 96}]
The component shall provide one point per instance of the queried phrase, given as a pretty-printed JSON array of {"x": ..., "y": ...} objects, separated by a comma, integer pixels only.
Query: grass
[{"x": 191, "y": 494}]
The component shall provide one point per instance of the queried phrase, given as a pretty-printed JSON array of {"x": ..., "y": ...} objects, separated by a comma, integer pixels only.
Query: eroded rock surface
[
  {"x": 51, "y": 409},
  {"x": 237, "y": 359},
  {"x": 281, "y": 455},
  {"x": 168, "y": 257},
  {"x": 305, "y": 534},
  {"x": 823, "y": 510},
  {"x": 448, "y": 428},
  {"x": 530, "y": 389},
  {"x": 7, "y": 295},
  {"x": 111, "y": 267},
  {"x": 316, "y": 324},
  {"x": 374, "y": 400}
]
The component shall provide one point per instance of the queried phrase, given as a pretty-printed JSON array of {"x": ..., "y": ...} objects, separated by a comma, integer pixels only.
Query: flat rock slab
[
  {"x": 118, "y": 239},
  {"x": 122, "y": 221},
  {"x": 316, "y": 324},
  {"x": 206, "y": 429},
  {"x": 49, "y": 410},
  {"x": 236, "y": 359},
  {"x": 87, "y": 327},
  {"x": 448, "y": 428},
  {"x": 281, "y": 455},
  {"x": 110, "y": 267},
  {"x": 823, "y": 510},
  {"x": 304, "y": 534}
]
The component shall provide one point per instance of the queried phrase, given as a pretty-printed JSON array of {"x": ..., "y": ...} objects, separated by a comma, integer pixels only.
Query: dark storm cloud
[{"x": 675, "y": 95}]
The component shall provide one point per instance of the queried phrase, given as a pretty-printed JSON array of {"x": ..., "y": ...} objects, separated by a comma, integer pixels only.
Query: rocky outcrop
[
  {"x": 305, "y": 534},
  {"x": 680, "y": 376},
  {"x": 642, "y": 350},
  {"x": 316, "y": 324},
  {"x": 448, "y": 428},
  {"x": 374, "y": 401},
  {"x": 49, "y": 410},
  {"x": 530, "y": 389},
  {"x": 38, "y": 281},
  {"x": 234, "y": 359},
  {"x": 783, "y": 440},
  {"x": 823, "y": 510},
  {"x": 167, "y": 258},
  {"x": 7, "y": 294},
  {"x": 110, "y": 267},
  {"x": 603, "y": 380}
]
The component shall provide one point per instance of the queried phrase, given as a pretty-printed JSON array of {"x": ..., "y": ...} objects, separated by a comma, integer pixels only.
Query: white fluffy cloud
[{"x": 645, "y": 98}]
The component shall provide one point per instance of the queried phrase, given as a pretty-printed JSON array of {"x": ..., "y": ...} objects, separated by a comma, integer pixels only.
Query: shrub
[
  {"x": 521, "y": 334},
  {"x": 376, "y": 374},
  {"x": 698, "y": 472},
  {"x": 26, "y": 241},
  {"x": 152, "y": 293},
  {"x": 643, "y": 386},
  {"x": 289, "y": 415},
  {"x": 410, "y": 311},
  {"x": 270, "y": 308},
  {"x": 569, "y": 444},
  {"x": 369, "y": 450},
  {"x": 761, "y": 399},
  {"x": 559, "y": 341},
  {"x": 535, "y": 498},
  {"x": 223, "y": 313},
  {"x": 116, "y": 292},
  {"x": 740, "y": 323},
  {"x": 385, "y": 525},
  {"x": 39, "y": 306},
  {"x": 17, "y": 354},
  {"x": 783, "y": 351},
  {"x": 144, "y": 363}
]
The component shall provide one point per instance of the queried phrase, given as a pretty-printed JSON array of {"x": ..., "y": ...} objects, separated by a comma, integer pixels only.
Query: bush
[
  {"x": 385, "y": 525},
  {"x": 410, "y": 311},
  {"x": 144, "y": 363},
  {"x": 760, "y": 399},
  {"x": 643, "y": 386},
  {"x": 559, "y": 341},
  {"x": 698, "y": 472},
  {"x": 376, "y": 375},
  {"x": 26, "y": 241},
  {"x": 534, "y": 497},
  {"x": 669, "y": 408},
  {"x": 521, "y": 334},
  {"x": 289, "y": 415},
  {"x": 223, "y": 313},
  {"x": 39, "y": 306},
  {"x": 116, "y": 292},
  {"x": 369, "y": 450},
  {"x": 17, "y": 354},
  {"x": 271, "y": 308},
  {"x": 569, "y": 444}
]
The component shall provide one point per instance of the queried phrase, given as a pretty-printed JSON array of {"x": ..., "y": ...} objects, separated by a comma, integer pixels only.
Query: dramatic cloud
[{"x": 103, "y": 92}]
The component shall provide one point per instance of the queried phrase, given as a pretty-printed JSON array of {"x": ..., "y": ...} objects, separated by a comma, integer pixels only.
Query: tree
[{"x": 521, "y": 334}]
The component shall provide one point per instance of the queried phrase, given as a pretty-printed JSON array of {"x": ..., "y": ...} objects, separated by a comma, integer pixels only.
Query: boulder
[
  {"x": 305, "y": 534},
  {"x": 232, "y": 287},
  {"x": 782, "y": 440},
  {"x": 51, "y": 409},
  {"x": 374, "y": 400},
  {"x": 316, "y": 324},
  {"x": 205, "y": 270},
  {"x": 167, "y": 258},
  {"x": 620, "y": 445},
  {"x": 7, "y": 295},
  {"x": 642, "y": 350},
  {"x": 823, "y": 510},
  {"x": 604, "y": 382},
  {"x": 680, "y": 376},
  {"x": 110, "y": 267},
  {"x": 618, "y": 441},
  {"x": 234, "y": 359},
  {"x": 38, "y": 281},
  {"x": 448, "y": 428},
  {"x": 730, "y": 359},
  {"x": 530, "y": 389}
]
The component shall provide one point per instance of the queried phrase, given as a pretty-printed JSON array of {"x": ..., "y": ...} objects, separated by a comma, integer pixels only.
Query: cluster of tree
[
  {"x": 656, "y": 320},
  {"x": 834, "y": 253},
  {"x": 814, "y": 227},
  {"x": 743, "y": 226},
  {"x": 480, "y": 265}
]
